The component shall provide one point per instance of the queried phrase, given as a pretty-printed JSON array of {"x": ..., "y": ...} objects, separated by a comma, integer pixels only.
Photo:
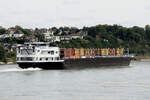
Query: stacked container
[
  {"x": 91, "y": 52},
  {"x": 99, "y": 52},
  {"x": 67, "y": 53},
  {"x": 119, "y": 52},
  {"x": 77, "y": 53},
  {"x": 87, "y": 53},
  {"x": 72, "y": 53},
  {"x": 104, "y": 52},
  {"x": 111, "y": 52},
  {"x": 82, "y": 51},
  {"x": 96, "y": 52}
]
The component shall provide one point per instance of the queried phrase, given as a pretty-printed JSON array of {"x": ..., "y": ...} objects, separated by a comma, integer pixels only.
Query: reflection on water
[{"x": 114, "y": 83}]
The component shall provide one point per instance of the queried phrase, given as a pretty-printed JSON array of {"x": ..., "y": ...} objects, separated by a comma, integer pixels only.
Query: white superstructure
[{"x": 38, "y": 52}]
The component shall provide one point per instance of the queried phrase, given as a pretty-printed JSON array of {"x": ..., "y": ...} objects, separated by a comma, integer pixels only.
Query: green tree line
[{"x": 137, "y": 39}]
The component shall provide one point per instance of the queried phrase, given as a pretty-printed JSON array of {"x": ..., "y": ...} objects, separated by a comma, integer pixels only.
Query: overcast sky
[{"x": 76, "y": 13}]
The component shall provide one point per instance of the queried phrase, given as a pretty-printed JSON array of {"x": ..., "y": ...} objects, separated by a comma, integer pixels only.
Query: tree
[
  {"x": 2, "y": 31},
  {"x": 2, "y": 54},
  {"x": 147, "y": 30},
  {"x": 40, "y": 37},
  {"x": 18, "y": 27}
]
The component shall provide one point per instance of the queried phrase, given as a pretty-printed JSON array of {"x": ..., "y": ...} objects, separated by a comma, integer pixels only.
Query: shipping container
[
  {"x": 107, "y": 52},
  {"x": 67, "y": 52},
  {"x": 82, "y": 52},
  {"x": 87, "y": 53},
  {"x": 99, "y": 52},
  {"x": 91, "y": 52},
  {"x": 111, "y": 52},
  {"x": 103, "y": 52},
  {"x": 77, "y": 53},
  {"x": 96, "y": 52},
  {"x": 72, "y": 52},
  {"x": 121, "y": 51}
]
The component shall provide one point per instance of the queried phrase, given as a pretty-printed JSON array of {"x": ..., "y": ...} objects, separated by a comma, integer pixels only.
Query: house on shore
[{"x": 12, "y": 32}]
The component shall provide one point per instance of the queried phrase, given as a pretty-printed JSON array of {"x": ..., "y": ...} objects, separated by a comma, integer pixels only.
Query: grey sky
[{"x": 79, "y": 13}]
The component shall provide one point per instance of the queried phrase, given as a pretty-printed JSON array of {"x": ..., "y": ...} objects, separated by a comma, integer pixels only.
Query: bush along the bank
[
  {"x": 11, "y": 56},
  {"x": 2, "y": 54}
]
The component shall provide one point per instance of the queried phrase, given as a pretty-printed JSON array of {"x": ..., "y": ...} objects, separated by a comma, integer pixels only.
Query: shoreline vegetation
[
  {"x": 142, "y": 58},
  {"x": 135, "y": 39}
]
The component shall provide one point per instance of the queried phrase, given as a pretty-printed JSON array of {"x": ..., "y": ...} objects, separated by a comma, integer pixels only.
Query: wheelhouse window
[
  {"x": 52, "y": 52},
  {"x": 27, "y": 58},
  {"x": 46, "y": 58},
  {"x": 33, "y": 49},
  {"x": 18, "y": 58},
  {"x": 26, "y": 51},
  {"x": 18, "y": 49}
]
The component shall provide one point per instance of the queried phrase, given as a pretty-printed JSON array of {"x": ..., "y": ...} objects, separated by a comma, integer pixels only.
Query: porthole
[{"x": 52, "y": 52}]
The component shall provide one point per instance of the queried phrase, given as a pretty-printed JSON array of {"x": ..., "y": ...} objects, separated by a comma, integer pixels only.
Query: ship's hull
[
  {"x": 79, "y": 63},
  {"x": 42, "y": 65},
  {"x": 97, "y": 62}
]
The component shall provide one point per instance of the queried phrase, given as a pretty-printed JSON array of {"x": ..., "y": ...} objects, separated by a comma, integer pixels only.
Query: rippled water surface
[{"x": 127, "y": 83}]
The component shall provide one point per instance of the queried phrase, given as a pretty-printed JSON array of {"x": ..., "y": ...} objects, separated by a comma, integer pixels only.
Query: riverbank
[
  {"x": 142, "y": 58},
  {"x": 8, "y": 63}
]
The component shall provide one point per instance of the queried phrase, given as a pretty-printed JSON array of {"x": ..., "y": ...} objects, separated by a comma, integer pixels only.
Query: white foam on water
[{"x": 19, "y": 69}]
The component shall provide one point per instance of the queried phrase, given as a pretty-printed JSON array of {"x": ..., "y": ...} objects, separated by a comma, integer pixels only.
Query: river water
[{"x": 127, "y": 83}]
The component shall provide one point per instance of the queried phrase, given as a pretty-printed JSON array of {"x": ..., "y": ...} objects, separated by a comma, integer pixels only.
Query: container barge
[{"x": 42, "y": 55}]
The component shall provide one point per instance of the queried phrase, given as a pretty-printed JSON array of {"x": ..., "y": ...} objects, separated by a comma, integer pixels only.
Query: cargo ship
[{"x": 42, "y": 55}]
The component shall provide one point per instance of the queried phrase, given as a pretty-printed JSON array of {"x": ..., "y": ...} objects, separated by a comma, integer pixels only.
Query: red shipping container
[
  {"x": 67, "y": 52},
  {"x": 72, "y": 52},
  {"x": 111, "y": 52}
]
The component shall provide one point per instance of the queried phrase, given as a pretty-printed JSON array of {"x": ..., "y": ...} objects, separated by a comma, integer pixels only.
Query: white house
[
  {"x": 56, "y": 39},
  {"x": 12, "y": 33},
  {"x": 48, "y": 35},
  {"x": 72, "y": 36}
]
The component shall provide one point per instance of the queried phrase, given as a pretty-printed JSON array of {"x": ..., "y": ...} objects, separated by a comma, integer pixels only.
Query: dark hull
[
  {"x": 42, "y": 65},
  {"x": 80, "y": 63},
  {"x": 97, "y": 62}
]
